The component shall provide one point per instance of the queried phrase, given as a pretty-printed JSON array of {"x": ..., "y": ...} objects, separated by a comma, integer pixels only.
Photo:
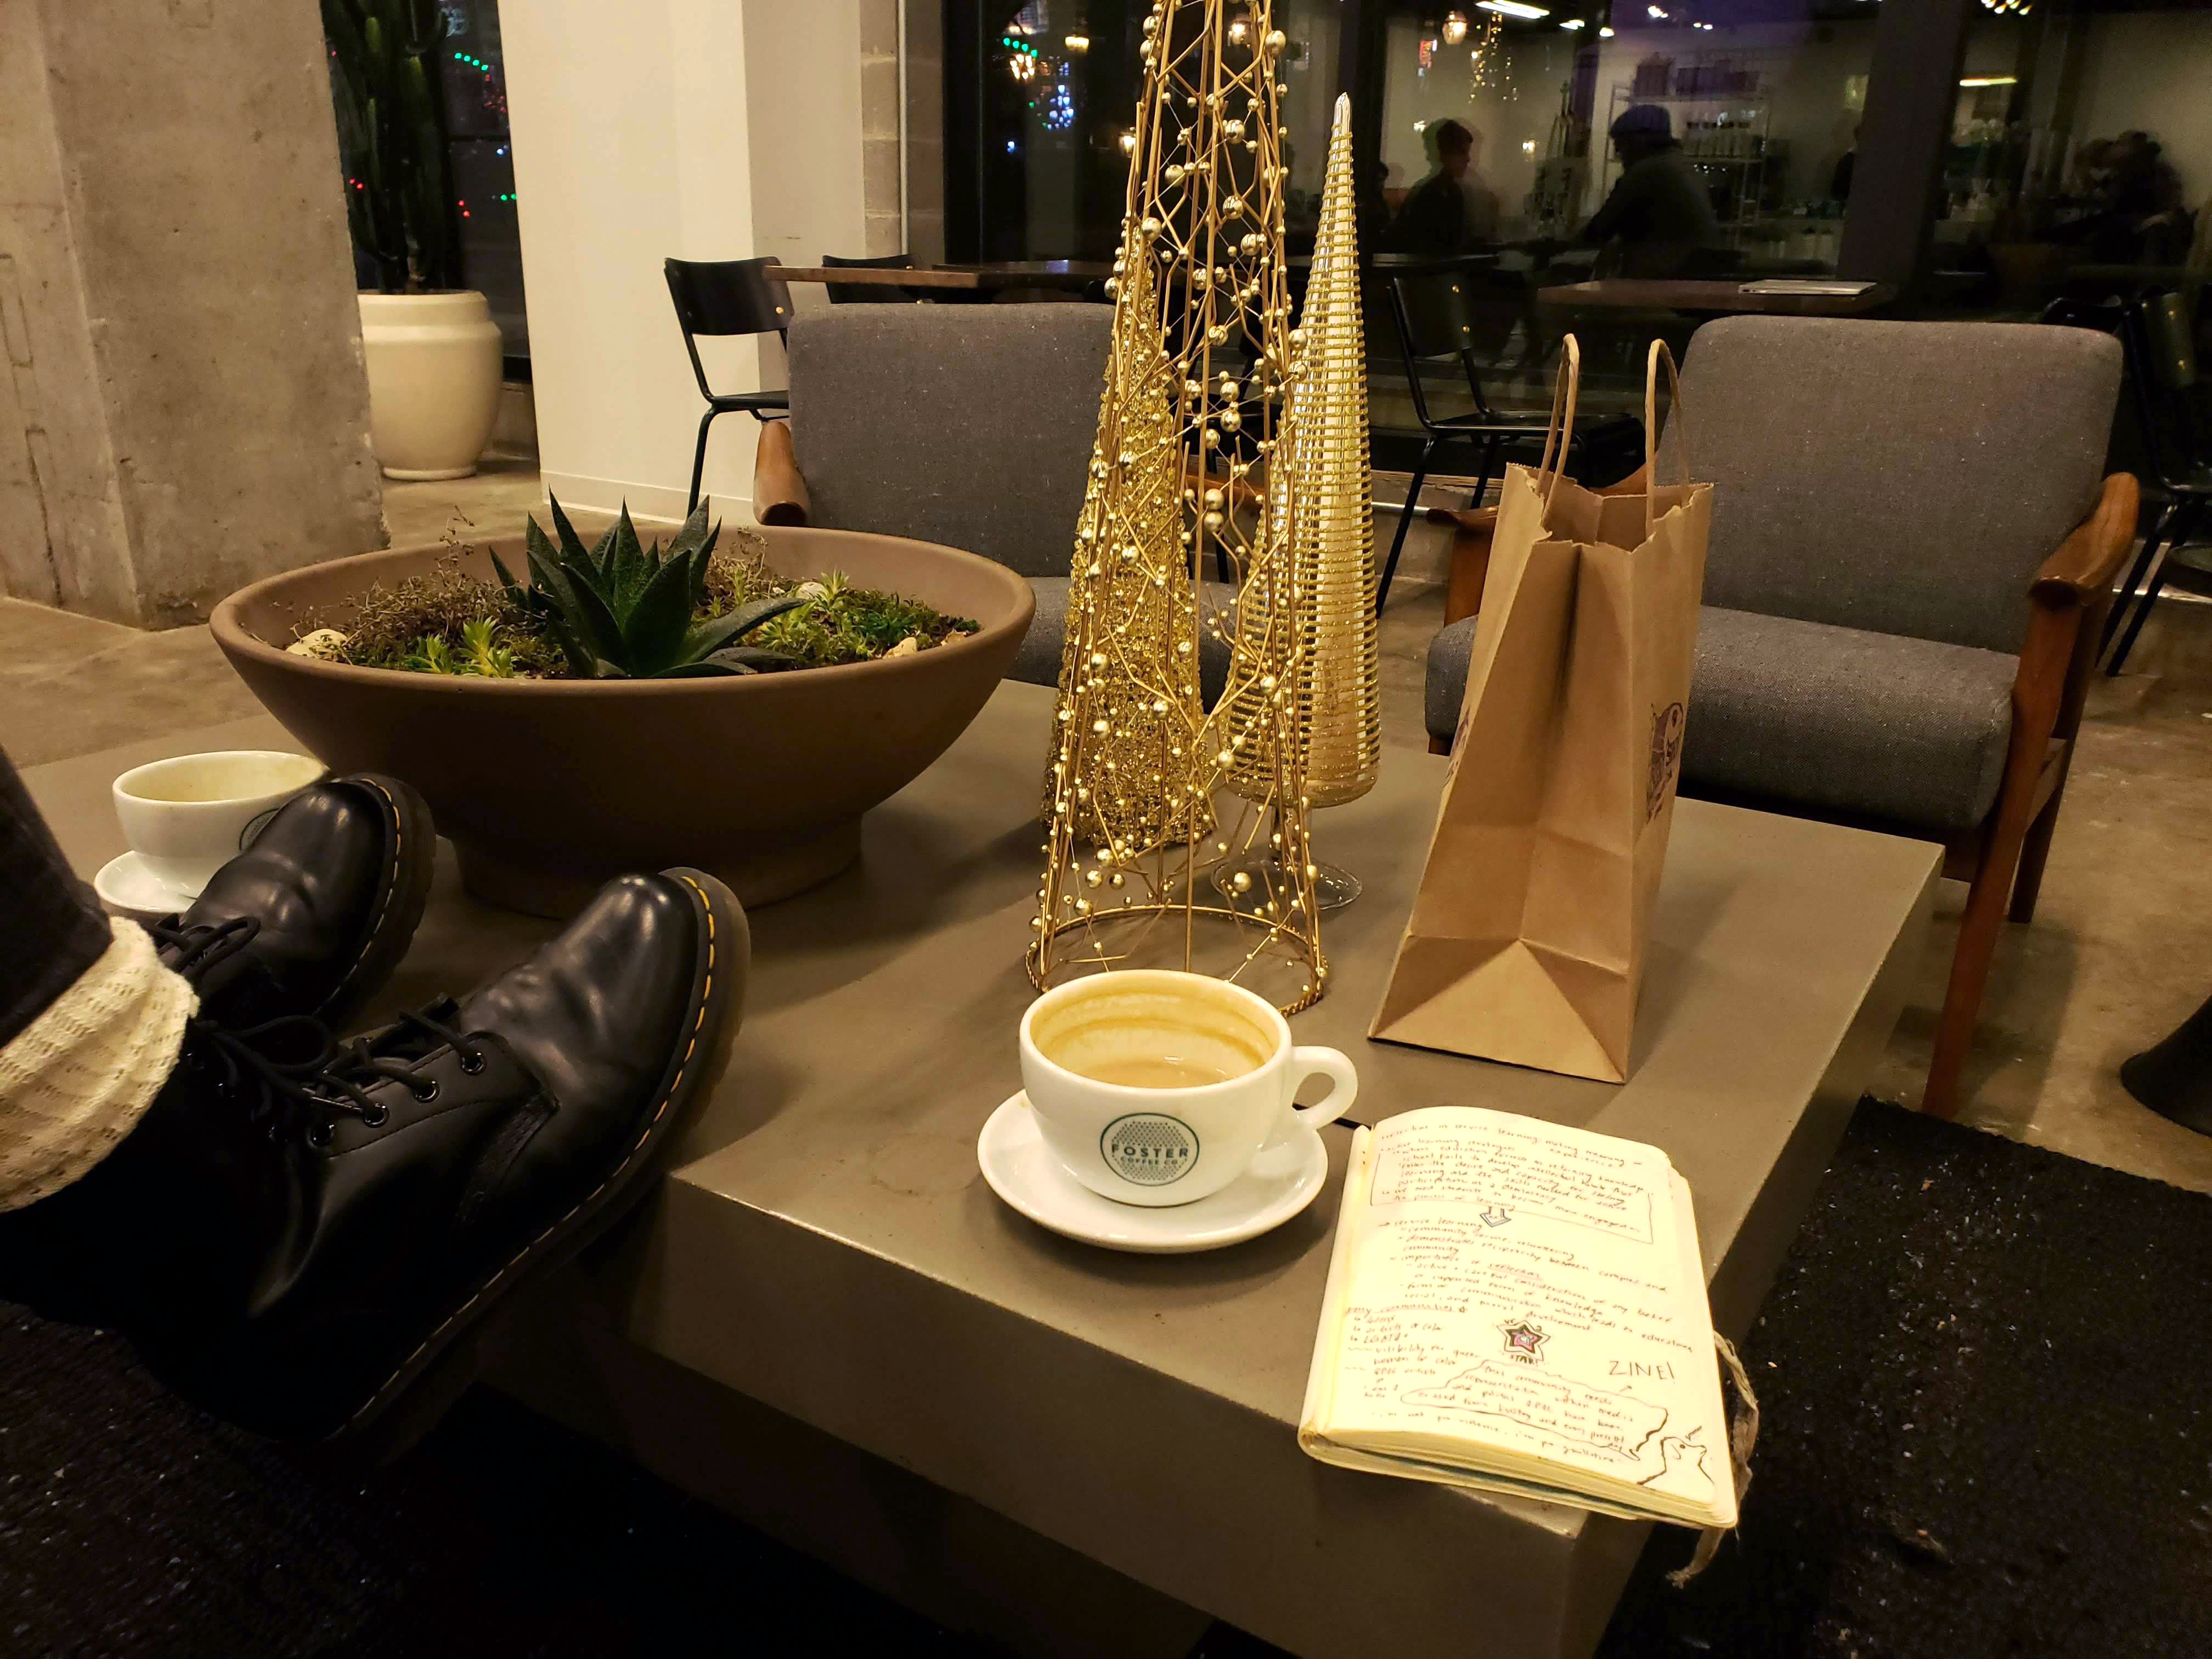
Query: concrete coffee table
[{"x": 827, "y": 1270}]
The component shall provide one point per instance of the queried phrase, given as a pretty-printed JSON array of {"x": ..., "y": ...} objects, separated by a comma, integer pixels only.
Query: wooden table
[
  {"x": 990, "y": 277},
  {"x": 832, "y": 1327},
  {"x": 1706, "y": 298}
]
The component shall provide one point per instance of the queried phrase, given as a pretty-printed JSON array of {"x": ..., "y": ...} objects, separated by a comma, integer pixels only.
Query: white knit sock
[{"x": 77, "y": 1079}]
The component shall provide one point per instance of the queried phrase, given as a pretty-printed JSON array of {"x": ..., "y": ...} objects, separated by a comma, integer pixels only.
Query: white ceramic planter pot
[{"x": 434, "y": 363}]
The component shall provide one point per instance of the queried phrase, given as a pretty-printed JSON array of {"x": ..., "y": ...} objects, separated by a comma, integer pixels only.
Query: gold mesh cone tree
[
  {"x": 1332, "y": 533},
  {"x": 1201, "y": 362}
]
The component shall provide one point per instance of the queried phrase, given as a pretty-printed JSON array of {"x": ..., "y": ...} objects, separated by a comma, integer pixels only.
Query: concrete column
[
  {"x": 183, "y": 407},
  {"x": 882, "y": 164}
]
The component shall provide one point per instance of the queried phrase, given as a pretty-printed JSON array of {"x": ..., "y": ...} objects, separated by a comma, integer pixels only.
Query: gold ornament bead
[{"x": 1241, "y": 882}]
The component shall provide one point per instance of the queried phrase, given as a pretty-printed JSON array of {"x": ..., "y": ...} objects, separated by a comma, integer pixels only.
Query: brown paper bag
[{"x": 1526, "y": 941}]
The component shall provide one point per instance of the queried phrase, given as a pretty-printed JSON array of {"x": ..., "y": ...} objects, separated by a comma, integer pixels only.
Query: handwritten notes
[
  {"x": 1519, "y": 1170},
  {"x": 1512, "y": 1296}
]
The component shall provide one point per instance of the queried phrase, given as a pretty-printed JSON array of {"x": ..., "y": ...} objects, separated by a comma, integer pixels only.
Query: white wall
[{"x": 690, "y": 129}]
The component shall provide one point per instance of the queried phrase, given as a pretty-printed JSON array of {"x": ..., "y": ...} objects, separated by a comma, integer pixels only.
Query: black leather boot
[
  {"x": 312, "y": 918},
  {"x": 376, "y": 1211}
]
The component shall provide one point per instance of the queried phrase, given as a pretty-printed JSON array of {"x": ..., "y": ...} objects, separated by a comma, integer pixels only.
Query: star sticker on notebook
[{"x": 1524, "y": 1340}]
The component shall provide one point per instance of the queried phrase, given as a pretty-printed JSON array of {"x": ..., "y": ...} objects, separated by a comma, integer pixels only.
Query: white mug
[
  {"x": 1155, "y": 1087},
  {"x": 188, "y": 817}
]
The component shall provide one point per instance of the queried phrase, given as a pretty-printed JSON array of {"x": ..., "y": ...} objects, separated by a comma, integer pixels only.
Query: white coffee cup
[
  {"x": 1157, "y": 1088},
  {"x": 187, "y": 817}
]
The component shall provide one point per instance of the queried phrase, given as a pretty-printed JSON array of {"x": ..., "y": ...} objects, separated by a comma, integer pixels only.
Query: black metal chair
[
  {"x": 1466, "y": 310},
  {"x": 2162, "y": 362},
  {"x": 869, "y": 294},
  {"x": 718, "y": 297}
]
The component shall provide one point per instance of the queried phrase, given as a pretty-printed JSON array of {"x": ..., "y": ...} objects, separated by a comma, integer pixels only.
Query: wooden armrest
[
  {"x": 2060, "y": 652},
  {"x": 1472, "y": 529},
  {"x": 2081, "y": 572},
  {"x": 779, "y": 492},
  {"x": 1634, "y": 484}
]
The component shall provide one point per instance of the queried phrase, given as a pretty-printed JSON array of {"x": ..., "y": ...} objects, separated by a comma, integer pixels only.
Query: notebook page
[{"x": 1521, "y": 1285}]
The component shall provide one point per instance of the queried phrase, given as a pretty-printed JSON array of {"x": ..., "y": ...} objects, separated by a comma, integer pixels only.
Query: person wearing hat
[{"x": 1659, "y": 217}]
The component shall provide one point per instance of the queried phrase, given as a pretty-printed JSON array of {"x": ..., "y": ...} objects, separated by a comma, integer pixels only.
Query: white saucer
[
  {"x": 128, "y": 888},
  {"x": 1287, "y": 1175}
]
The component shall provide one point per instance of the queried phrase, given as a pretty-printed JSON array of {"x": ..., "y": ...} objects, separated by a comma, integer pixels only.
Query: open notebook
[{"x": 1519, "y": 1307}]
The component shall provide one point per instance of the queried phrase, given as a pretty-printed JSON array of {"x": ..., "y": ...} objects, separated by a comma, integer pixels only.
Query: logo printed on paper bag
[
  {"x": 1666, "y": 756},
  {"x": 1149, "y": 1149}
]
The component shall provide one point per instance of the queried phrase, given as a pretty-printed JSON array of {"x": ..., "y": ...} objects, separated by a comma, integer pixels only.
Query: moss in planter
[{"x": 448, "y": 621}]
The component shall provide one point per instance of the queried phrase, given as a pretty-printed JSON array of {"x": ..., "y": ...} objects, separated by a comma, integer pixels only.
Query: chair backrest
[
  {"x": 727, "y": 296},
  {"x": 724, "y": 296},
  {"x": 868, "y": 294},
  {"x": 970, "y": 425},
  {"x": 1464, "y": 311},
  {"x": 2171, "y": 355},
  {"x": 1904, "y": 479}
]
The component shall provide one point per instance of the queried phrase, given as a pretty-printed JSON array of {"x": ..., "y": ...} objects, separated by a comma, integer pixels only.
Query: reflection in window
[
  {"x": 2080, "y": 155},
  {"x": 1056, "y": 84},
  {"x": 1763, "y": 114}
]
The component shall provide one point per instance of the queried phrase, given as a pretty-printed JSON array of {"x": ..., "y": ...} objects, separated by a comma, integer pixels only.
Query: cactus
[{"x": 384, "y": 81}]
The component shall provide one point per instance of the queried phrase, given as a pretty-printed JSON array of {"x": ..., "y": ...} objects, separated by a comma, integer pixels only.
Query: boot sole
[
  {"x": 405, "y": 893},
  {"x": 409, "y": 1403}
]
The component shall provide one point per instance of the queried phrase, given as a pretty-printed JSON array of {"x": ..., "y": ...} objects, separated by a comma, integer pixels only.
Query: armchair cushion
[
  {"x": 1038, "y": 661},
  {"x": 1908, "y": 732},
  {"x": 967, "y": 425},
  {"x": 1905, "y": 477}
]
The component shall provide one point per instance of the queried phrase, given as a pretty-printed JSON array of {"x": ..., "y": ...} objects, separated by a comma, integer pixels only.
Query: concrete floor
[{"x": 2120, "y": 952}]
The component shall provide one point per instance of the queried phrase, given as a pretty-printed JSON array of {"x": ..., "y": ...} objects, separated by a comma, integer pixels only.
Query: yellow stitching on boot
[
  {"x": 399, "y": 852},
  {"x": 706, "y": 1001}
]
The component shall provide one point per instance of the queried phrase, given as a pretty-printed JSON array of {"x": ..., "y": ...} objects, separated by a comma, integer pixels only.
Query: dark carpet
[{"x": 1984, "y": 1371}]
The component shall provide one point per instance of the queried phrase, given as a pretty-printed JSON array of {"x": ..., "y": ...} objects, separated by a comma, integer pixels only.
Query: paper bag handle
[
  {"x": 1559, "y": 432},
  {"x": 1675, "y": 418}
]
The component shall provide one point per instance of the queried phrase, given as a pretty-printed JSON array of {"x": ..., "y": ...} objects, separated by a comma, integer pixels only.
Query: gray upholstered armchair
[
  {"x": 1910, "y": 558},
  {"x": 967, "y": 425}
]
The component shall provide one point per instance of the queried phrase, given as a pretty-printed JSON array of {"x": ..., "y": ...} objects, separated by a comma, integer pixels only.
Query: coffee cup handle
[{"x": 1334, "y": 1065}]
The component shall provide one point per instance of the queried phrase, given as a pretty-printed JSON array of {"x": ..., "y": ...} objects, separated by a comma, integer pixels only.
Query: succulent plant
[
  {"x": 619, "y": 611},
  {"x": 480, "y": 653}
]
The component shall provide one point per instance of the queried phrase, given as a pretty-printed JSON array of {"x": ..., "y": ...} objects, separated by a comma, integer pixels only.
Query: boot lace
[
  {"x": 338, "y": 1076},
  {"x": 202, "y": 946}
]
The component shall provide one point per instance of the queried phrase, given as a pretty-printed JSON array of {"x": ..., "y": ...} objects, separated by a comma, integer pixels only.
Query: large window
[
  {"x": 1039, "y": 97},
  {"x": 2079, "y": 155},
  {"x": 475, "y": 78}
]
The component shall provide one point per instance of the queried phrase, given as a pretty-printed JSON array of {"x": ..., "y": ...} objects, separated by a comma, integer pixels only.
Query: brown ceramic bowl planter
[{"x": 547, "y": 788}]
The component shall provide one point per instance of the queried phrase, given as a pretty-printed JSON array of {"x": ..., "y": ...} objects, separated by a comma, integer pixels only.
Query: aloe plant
[
  {"x": 620, "y": 610},
  {"x": 385, "y": 70}
]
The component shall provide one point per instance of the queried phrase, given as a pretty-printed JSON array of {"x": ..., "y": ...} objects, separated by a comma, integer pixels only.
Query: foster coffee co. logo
[
  {"x": 1666, "y": 759},
  {"x": 1148, "y": 1149}
]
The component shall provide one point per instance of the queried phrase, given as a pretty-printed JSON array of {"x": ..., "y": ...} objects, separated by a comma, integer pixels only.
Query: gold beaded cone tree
[
  {"x": 1201, "y": 293},
  {"x": 1130, "y": 585},
  {"x": 1323, "y": 453}
]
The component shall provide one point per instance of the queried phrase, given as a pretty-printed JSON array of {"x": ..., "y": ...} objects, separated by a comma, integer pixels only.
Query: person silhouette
[{"x": 1453, "y": 209}]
